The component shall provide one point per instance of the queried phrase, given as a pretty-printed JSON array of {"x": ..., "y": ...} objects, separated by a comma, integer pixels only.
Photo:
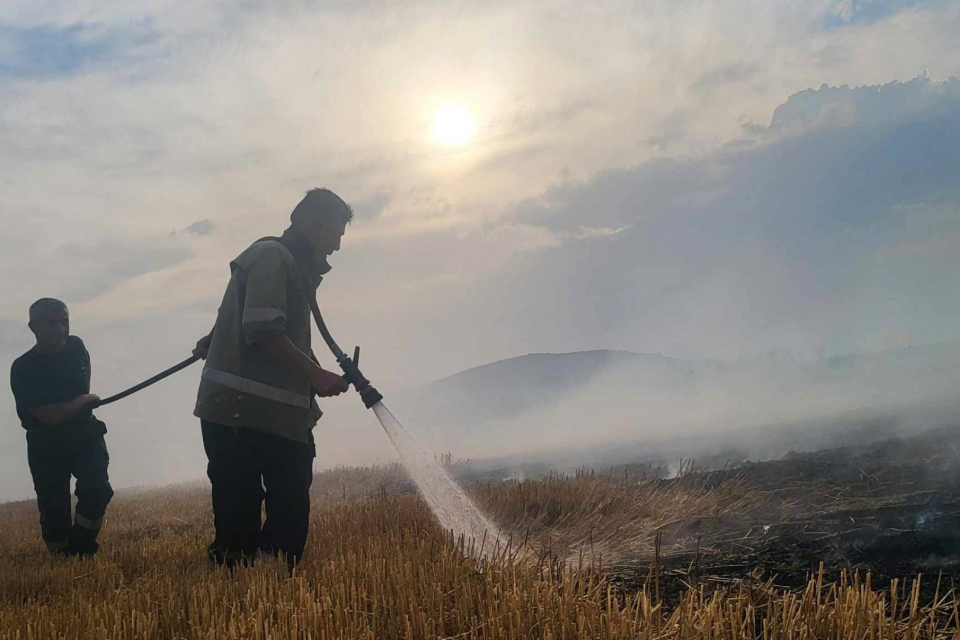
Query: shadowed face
[
  {"x": 51, "y": 327},
  {"x": 323, "y": 234}
]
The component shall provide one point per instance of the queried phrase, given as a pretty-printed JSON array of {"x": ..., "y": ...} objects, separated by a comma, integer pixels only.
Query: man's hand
[
  {"x": 325, "y": 383},
  {"x": 87, "y": 399},
  {"x": 328, "y": 384},
  {"x": 203, "y": 346},
  {"x": 53, "y": 414}
]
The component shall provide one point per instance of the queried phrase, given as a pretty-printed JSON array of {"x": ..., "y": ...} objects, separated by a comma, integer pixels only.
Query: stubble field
[{"x": 735, "y": 553}]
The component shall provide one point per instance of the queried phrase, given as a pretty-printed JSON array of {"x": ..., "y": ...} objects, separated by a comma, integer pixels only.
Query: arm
[
  {"x": 279, "y": 346},
  {"x": 326, "y": 383},
  {"x": 33, "y": 404},
  {"x": 203, "y": 346},
  {"x": 265, "y": 324},
  {"x": 51, "y": 415}
]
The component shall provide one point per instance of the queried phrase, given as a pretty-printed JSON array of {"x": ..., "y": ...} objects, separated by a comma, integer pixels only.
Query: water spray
[{"x": 452, "y": 507}]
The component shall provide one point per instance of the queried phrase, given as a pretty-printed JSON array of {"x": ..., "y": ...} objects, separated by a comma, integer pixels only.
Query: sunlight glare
[{"x": 453, "y": 125}]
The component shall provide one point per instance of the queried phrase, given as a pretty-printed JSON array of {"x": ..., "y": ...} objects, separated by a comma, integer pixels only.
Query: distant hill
[
  {"x": 599, "y": 398},
  {"x": 508, "y": 388}
]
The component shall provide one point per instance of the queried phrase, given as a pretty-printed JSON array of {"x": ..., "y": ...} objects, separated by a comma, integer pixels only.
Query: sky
[{"x": 705, "y": 180}]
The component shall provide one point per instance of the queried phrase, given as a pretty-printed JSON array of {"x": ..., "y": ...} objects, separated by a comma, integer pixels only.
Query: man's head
[
  {"x": 50, "y": 323},
  {"x": 322, "y": 218}
]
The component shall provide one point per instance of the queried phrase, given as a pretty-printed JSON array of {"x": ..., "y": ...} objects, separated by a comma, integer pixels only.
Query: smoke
[
  {"x": 652, "y": 408},
  {"x": 561, "y": 411}
]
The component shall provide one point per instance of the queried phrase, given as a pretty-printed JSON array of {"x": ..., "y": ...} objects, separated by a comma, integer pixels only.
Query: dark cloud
[
  {"x": 833, "y": 238},
  {"x": 752, "y": 128},
  {"x": 869, "y": 105},
  {"x": 620, "y": 197},
  {"x": 201, "y": 227},
  {"x": 843, "y": 176}
]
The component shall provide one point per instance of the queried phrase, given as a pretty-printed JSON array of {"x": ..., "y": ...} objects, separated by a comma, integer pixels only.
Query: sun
[{"x": 453, "y": 125}]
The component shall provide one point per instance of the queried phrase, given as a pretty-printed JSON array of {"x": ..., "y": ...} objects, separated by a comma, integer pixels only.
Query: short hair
[
  {"x": 322, "y": 203},
  {"x": 45, "y": 305}
]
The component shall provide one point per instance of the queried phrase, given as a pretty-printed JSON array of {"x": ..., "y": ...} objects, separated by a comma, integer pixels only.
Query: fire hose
[
  {"x": 351, "y": 367},
  {"x": 149, "y": 381}
]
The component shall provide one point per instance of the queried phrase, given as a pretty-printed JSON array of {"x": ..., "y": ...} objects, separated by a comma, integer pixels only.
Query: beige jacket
[{"x": 241, "y": 384}]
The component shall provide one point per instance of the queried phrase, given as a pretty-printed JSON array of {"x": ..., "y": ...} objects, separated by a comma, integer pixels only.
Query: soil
[{"x": 890, "y": 508}]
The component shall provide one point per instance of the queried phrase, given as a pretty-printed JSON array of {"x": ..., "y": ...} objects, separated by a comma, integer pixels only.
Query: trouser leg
[
  {"x": 237, "y": 492},
  {"x": 287, "y": 476},
  {"x": 93, "y": 493},
  {"x": 51, "y": 480}
]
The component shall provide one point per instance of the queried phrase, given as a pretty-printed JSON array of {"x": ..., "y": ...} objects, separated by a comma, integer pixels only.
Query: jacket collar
[{"x": 310, "y": 263}]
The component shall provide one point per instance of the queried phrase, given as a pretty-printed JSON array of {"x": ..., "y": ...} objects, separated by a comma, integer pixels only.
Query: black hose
[
  {"x": 368, "y": 394},
  {"x": 350, "y": 366},
  {"x": 146, "y": 383}
]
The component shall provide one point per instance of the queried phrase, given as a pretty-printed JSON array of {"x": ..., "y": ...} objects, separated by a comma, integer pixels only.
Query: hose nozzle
[
  {"x": 351, "y": 373},
  {"x": 351, "y": 368}
]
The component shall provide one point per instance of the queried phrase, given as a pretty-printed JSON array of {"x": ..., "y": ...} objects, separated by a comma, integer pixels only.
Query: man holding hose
[
  {"x": 255, "y": 401},
  {"x": 51, "y": 385}
]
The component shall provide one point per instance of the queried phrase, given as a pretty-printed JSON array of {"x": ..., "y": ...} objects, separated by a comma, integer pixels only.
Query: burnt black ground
[{"x": 890, "y": 508}]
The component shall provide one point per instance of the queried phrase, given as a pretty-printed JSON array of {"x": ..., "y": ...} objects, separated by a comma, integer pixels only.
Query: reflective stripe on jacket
[{"x": 241, "y": 384}]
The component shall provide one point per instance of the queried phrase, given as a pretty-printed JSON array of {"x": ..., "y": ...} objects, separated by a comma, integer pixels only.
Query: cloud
[
  {"x": 106, "y": 264},
  {"x": 595, "y": 232},
  {"x": 526, "y": 120},
  {"x": 898, "y": 150},
  {"x": 671, "y": 131},
  {"x": 46, "y": 51},
  {"x": 722, "y": 76},
  {"x": 620, "y": 197},
  {"x": 840, "y": 239},
  {"x": 78, "y": 271},
  {"x": 201, "y": 227},
  {"x": 873, "y": 105},
  {"x": 849, "y": 12},
  {"x": 371, "y": 208}
]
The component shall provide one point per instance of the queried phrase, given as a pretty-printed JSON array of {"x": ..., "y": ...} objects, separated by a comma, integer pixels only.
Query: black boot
[
  {"x": 58, "y": 548},
  {"x": 83, "y": 542},
  {"x": 220, "y": 555}
]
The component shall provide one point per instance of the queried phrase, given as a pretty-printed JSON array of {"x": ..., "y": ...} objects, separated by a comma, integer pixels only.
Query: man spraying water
[{"x": 255, "y": 400}]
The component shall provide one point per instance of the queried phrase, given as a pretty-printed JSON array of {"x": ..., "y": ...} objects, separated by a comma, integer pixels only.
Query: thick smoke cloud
[{"x": 832, "y": 238}]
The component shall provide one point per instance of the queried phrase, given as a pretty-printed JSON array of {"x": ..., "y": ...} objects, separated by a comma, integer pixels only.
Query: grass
[{"x": 379, "y": 567}]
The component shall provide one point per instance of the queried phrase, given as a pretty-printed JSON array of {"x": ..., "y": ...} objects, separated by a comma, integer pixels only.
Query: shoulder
[
  {"x": 21, "y": 366},
  {"x": 266, "y": 252},
  {"x": 74, "y": 345},
  {"x": 21, "y": 362},
  {"x": 270, "y": 249}
]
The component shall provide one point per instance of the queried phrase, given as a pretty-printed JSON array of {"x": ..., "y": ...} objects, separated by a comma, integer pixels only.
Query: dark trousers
[
  {"x": 53, "y": 458},
  {"x": 247, "y": 468}
]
